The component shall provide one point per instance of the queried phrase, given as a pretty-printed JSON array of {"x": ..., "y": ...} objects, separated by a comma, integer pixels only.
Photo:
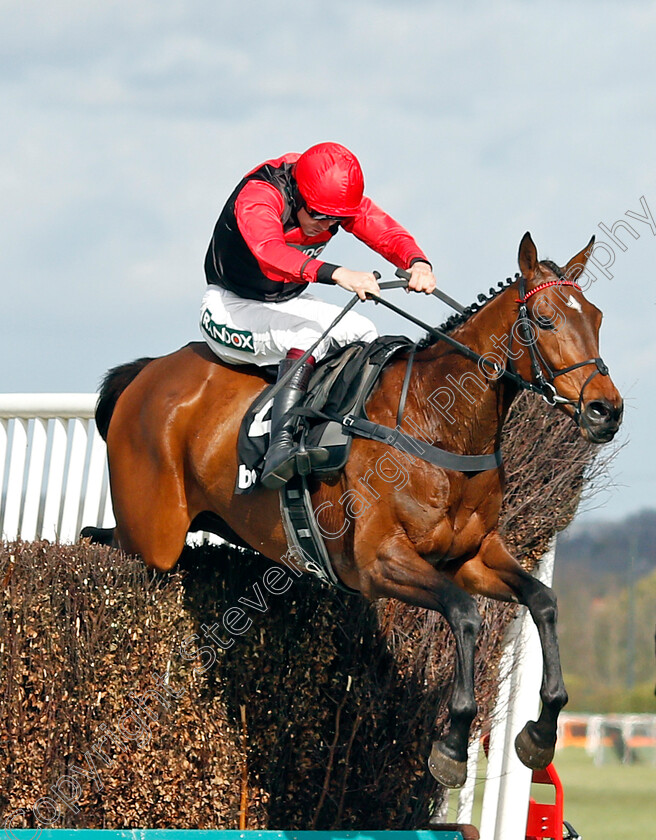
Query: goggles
[{"x": 322, "y": 217}]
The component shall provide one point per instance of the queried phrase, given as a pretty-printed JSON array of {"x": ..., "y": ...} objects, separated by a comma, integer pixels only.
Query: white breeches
[{"x": 242, "y": 331}]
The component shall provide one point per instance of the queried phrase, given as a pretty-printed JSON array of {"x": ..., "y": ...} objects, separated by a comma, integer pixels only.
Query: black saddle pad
[{"x": 341, "y": 381}]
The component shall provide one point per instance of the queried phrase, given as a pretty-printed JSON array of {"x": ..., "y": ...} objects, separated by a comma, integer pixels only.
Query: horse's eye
[{"x": 545, "y": 323}]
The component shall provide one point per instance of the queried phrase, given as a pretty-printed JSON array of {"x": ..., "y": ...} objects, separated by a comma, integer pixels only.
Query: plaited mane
[{"x": 462, "y": 317}]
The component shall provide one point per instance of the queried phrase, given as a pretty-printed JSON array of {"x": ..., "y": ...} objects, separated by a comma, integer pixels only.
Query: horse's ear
[
  {"x": 528, "y": 256},
  {"x": 576, "y": 265}
]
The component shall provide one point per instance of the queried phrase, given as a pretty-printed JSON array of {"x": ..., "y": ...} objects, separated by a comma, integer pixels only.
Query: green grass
[{"x": 609, "y": 802}]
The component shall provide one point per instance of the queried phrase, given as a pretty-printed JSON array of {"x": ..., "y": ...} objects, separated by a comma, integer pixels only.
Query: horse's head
[{"x": 555, "y": 343}]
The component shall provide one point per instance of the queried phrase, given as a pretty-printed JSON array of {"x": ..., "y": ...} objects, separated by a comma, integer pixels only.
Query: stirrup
[
  {"x": 300, "y": 461},
  {"x": 309, "y": 459}
]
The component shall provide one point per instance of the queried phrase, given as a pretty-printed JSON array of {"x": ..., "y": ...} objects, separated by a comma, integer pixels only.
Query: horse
[{"x": 420, "y": 533}]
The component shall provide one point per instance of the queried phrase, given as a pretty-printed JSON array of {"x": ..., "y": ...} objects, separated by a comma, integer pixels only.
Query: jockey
[{"x": 263, "y": 254}]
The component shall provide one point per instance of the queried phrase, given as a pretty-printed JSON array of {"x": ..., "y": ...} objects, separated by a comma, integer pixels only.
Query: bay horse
[{"x": 431, "y": 539}]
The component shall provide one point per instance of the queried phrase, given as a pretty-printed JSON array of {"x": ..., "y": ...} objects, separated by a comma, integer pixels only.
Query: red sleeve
[
  {"x": 258, "y": 212},
  {"x": 384, "y": 235}
]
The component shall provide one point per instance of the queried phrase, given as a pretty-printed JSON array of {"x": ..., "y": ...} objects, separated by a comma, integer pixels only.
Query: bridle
[{"x": 543, "y": 375}]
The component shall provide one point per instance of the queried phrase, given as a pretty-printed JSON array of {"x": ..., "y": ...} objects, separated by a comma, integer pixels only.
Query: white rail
[
  {"x": 507, "y": 781},
  {"x": 53, "y": 467}
]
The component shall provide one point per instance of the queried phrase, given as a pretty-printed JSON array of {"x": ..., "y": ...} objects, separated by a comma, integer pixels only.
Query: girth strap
[
  {"x": 419, "y": 448},
  {"x": 405, "y": 443}
]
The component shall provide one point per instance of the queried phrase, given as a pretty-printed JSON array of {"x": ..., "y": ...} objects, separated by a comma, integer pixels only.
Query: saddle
[{"x": 340, "y": 386}]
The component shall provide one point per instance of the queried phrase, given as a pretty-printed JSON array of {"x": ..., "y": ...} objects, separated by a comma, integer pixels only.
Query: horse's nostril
[
  {"x": 601, "y": 413},
  {"x": 597, "y": 411}
]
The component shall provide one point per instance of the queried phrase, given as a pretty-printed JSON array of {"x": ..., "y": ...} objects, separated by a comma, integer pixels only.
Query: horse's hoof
[
  {"x": 530, "y": 753},
  {"x": 447, "y": 771},
  {"x": 97, "y": 536}
]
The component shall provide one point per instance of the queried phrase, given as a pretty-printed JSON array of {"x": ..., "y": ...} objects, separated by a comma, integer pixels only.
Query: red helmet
[{"x": 330, "y": 179}]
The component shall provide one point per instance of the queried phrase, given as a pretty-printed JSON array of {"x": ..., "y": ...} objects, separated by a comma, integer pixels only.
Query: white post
[
  {"x": 15, "y": 479},
  {"x": 73, "y": 492},
  {"x": 54, "y": 489},
  {"x": 594, "y": 742},
  {"x": 34, "y": 479},
  {"x": 507, "y": 788},
  {"x": 499, "y": 734},
  {"x": 4, "y": 437},
  {"x": 91, "y": 511},
  {"x": 107, "y": 519}
]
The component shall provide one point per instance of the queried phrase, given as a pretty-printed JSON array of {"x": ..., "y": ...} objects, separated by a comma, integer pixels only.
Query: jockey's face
[{"x": 310, "y": 226}]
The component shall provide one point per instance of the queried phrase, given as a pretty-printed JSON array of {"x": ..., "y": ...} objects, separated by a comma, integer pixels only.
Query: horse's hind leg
[
  {"x": 536, "y": 743},
  {"x": 399, "y": 572},
  {"x": 99, "y": 536},
  {"x": 150, "y": 507},
  {"x": 448, "y": 758},
  {"x": 495, "y": 572}
]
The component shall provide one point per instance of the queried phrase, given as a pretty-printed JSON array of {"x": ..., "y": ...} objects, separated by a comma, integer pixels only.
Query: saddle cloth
[{"x": 340, "y": 385}]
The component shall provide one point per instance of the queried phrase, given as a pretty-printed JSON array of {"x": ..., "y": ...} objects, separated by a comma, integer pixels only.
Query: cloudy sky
[{"x": 126, "y": 124}]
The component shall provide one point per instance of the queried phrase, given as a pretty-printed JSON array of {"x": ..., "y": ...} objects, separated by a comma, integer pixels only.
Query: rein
[
  {"x": 463, "y": 349},
  {"x": 541, "y": 384}
]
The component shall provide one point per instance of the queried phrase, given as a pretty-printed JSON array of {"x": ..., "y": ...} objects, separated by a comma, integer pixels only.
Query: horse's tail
[{"x": 115, "y": 382}]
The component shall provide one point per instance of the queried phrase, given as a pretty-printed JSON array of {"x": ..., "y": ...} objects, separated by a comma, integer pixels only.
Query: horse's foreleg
[
  {"x": 495, "y": 572},
  {"x": 399, "y": 572}
]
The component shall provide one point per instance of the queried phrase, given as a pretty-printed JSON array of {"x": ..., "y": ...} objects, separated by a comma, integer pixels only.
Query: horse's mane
[{"x": 461, "y": 318}]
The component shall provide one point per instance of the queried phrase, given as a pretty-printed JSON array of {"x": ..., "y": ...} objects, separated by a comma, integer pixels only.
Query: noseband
[{"x": 543, "y": 375}]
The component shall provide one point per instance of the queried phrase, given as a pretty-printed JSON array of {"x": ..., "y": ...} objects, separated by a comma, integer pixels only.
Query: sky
[{"x": 126, "y": 125}]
